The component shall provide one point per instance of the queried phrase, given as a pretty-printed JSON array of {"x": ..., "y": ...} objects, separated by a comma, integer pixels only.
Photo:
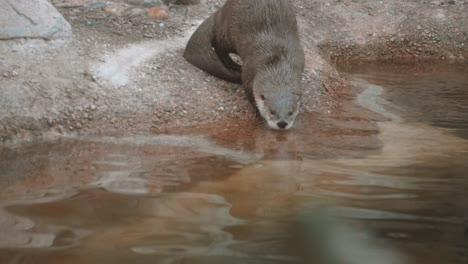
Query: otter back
[{"x": 264, "y": 34}]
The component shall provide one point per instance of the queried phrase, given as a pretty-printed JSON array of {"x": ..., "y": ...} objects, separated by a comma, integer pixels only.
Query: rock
[
  {"x": 179, "y": 10},
  {"x": 90, "y": 23},
  {"x": 146, "y": 3},
  {"x": 97, "y": 5},
  {"x": 182, "y": 2},
  {"x": 159, "y": 13},
  {"x": 32, "y": 19},
  {"x": 68, "y": 3},
  {"x": 133, "y": 12},
  {"x": 168, "y": 109}
]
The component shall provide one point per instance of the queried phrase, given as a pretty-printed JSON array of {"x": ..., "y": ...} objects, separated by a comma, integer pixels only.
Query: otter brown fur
[{"x": 264, "y": 33}]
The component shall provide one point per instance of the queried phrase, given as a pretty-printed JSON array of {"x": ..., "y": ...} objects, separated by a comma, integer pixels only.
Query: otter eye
[
  {"x": 263, "y": 97},
  {"x": 272, "y": 112}
]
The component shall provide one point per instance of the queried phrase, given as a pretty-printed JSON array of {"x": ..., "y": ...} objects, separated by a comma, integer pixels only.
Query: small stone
[
  {"x": 93, "y": 107},
  {"x": 168, "y": 109},
  {"x": 182, "y": 2},
  {"x": 183, "y": 10},
  {"x": 159, "y": 13},
  {"x": 133, "y": 12},
  {"x": 90, "y": 23},
  {"x": 146, "y": 3},
  {"x": 97, "y": 5}
]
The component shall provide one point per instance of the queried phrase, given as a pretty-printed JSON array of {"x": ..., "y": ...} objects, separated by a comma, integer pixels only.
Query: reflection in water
[
  {"x": 388, "y": 172},
  {"x": 335, "y": 242},
  {"x": 183, "y": 223}
]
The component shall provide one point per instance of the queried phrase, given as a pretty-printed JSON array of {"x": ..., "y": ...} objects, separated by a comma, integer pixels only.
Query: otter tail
[{"x": 200, "y": 52}]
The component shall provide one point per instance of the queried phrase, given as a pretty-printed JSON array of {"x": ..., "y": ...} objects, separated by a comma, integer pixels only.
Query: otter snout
[
  {"x": 279, "y": 125},
  {"x": 282, "y": 124},
  {"x": 277, "y": 117}
]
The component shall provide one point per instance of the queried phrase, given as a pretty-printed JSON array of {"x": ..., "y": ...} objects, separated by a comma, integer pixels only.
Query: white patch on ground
[
  {"x": 117, "y": 68},
  {"x": 440, "y": 15}
]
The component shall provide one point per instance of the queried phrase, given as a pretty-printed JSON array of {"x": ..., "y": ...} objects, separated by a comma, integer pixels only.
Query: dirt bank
[{"x": 123, "y": 72}]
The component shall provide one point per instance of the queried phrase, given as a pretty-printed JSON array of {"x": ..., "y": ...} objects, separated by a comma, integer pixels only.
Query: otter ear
[{"x": 262, "y": 97}]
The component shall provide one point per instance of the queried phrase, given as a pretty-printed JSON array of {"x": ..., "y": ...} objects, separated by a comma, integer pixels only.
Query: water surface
[{"x": 389, "y": 169}]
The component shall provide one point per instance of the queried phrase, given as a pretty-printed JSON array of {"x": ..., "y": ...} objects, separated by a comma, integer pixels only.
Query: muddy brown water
[{"x": 382, "y": 181}]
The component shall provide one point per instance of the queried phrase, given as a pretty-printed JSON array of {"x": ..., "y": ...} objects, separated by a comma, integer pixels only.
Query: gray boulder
[{"x": 32, "y": 19}]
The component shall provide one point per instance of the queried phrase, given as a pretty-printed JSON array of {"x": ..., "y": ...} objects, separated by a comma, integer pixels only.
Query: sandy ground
[{"x": 125, "y": 74}]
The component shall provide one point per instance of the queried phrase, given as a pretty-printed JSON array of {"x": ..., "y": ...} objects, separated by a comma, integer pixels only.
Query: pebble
[
  {"x": 168, "y": 109},
  {"x": 90, "y": 23},
  {"x": 146, "y": 2},
  {"x": 159, "y": 13},
  {"x": 183, "y": 10},
  {"x": 134, "y": 12},
  {"x": 97, "y": 5},
  {"x": 182, "y": 2}
]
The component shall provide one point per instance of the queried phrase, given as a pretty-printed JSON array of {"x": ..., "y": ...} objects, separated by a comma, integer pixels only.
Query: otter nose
[{"x": 282, "y": 124}]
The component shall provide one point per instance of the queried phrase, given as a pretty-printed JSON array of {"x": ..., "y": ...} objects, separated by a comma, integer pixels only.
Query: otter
[{"x": 264, "y": 34}]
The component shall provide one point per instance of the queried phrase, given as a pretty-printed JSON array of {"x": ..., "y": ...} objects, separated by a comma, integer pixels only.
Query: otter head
[{"x": 277, "y": 98}]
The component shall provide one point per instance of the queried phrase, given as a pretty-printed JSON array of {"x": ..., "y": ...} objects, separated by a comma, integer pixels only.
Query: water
[{"x": 387, "y": 174}]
